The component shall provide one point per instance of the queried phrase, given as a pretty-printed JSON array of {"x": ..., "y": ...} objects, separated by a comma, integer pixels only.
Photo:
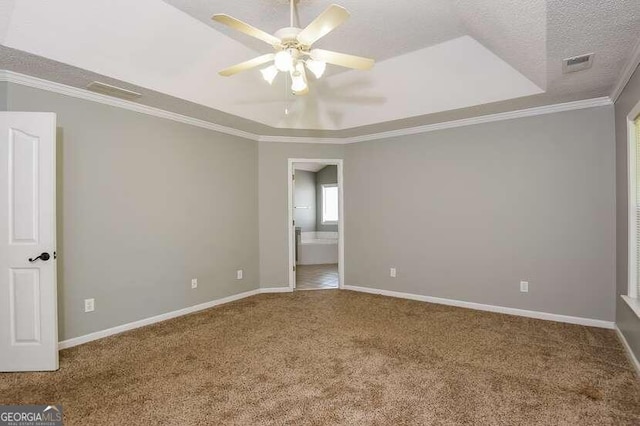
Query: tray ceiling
[{"x": 434, "y": 57}]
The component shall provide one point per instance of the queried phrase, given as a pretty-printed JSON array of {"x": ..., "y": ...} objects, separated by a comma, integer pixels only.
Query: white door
[{"x": 28, "y": 293}]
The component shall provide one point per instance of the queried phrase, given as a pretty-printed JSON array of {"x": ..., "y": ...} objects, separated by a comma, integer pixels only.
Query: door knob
[{"x": 43, "y": 256}]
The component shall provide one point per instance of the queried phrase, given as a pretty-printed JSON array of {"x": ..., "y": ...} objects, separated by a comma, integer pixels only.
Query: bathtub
[{"x": 317, "y": 248}]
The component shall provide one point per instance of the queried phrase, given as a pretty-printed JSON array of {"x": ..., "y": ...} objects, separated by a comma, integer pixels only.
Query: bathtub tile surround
[
  {"x": 319, "y": 237},
  {"x": 318, "y": 248}
]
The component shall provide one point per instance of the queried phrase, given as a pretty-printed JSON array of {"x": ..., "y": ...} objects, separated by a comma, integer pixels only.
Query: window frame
[
  {"x": 330, "y": 222},
  {"x": 632, "y": 297}
]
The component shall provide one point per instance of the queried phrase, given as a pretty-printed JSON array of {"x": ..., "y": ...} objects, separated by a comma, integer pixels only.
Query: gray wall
[
  {"x": 462, "y": 213},
  {"x": 627, "y": 320},
  {"x": 144, "y": 205},
  {"x": 272, "y": 166},
  {"x": 467, "y": 213},
  {"x": 327, "y": 175},
  {"x": 305, "y": 196}
]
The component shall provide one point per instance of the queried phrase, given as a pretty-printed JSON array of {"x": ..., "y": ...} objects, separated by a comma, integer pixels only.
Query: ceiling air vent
[
  {"x": 107, "y": 89},
  {"x": 577, "y": 63}
]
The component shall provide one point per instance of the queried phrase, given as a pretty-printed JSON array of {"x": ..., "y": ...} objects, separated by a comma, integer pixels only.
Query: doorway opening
[{"x": 316, "y": 224}]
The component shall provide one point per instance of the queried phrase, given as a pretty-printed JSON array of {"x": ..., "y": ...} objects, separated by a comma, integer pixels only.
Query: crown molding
[
  {"x": 627, "y": 73},
  {"x": 304, "y": 139},
  {"x": 38, "y": 83},
  {"x": 530, "y": 112},
  {"x": 62, "y": 89}
]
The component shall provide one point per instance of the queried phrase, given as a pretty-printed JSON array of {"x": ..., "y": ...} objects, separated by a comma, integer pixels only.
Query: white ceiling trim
[
  {"x": 62, "y": 89},
  {"x": 38, "y": 83},
  {"x": 530, "y": 112},
  {"x": 634, "y": 61}
]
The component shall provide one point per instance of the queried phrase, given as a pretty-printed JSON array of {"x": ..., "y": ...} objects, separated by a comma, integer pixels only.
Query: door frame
[{"x": 291, "y": 226}]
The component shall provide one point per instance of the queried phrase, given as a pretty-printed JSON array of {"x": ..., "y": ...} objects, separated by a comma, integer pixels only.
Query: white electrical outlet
[
  {"x": 239, "y": 274},
  {"x": 392, "y": 272},
  {"x": 194, "y": 283},
  {"x": 89, "y": 305},
  {"x": 524, "y": 286}
]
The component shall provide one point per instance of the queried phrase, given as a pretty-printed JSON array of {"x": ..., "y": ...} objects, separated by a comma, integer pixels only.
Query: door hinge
[
  {"x": 293, "y": 177},
  {"x": 294, "y": 268}
]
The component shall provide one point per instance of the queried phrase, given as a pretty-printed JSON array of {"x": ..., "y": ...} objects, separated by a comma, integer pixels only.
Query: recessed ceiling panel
[
  {"x": 433, "y": 56},
  {"x": 455, "y": 74}
]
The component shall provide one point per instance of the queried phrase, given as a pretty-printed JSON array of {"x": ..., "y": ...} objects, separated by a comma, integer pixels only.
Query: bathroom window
[{"x": 329, "y": 204}]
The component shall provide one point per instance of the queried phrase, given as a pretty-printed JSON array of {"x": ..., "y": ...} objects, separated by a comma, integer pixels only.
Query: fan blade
[
  {"x": 243, "y": 66},
  {"x": 243, "y": 27},
  {"x": 332, "y": 17},
  {"x": 342, "y": 59}
]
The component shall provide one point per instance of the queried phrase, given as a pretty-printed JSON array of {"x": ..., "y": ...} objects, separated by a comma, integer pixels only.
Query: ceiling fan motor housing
[{"x": 289, "y": 37}]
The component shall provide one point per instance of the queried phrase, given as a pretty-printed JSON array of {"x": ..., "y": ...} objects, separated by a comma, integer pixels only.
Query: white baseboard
[
  {"x": 491, "y": 308},
  {"x": 152, "y": 320},
  {"x": 630, "y": 354},
  {"x": 470, "y": 305},
  {"x": 163, "y": 317}
]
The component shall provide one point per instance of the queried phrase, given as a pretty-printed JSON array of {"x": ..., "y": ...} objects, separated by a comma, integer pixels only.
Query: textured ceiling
[
  {"x": 376, "y": 29},
  {"x": 515, "y": 30},
  {"x": 437, "y": 59}
]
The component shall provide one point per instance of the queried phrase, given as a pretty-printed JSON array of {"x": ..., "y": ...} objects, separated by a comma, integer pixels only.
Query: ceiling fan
[{"x": 293, "y": 51}]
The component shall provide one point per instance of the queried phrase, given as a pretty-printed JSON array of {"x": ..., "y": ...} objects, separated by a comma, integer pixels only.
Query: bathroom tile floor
[{"x": 317, "y": 277}]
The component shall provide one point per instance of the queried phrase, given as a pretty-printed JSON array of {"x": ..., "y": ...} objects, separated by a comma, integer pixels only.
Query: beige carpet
[{"x": 338, "y": 357}]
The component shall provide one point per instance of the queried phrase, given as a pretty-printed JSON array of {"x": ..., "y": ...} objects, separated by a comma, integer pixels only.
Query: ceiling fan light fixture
[
  {"x": 299, "y": 80},
  {"x": 284, "y": 61},
  {"x": 292, "y": 45},
  {"x": 298, "y": 84},
  {"x": 316, "y": 67},
  {"x": 269, "y": 73}
]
